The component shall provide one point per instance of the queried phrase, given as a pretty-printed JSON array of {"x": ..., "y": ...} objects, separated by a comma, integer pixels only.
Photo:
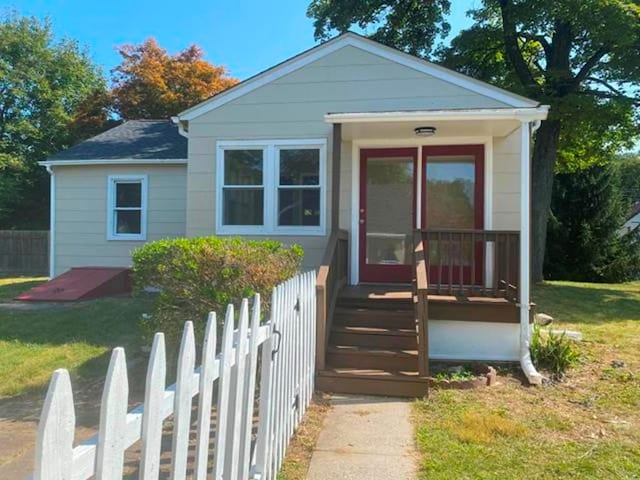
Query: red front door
[
  {"x": 453, "y": 200},
  {"x": 387, "y": 214}
]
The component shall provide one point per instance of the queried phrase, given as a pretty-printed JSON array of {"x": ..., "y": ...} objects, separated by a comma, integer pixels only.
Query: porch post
[
  {"x": 525, "y": 254},
  {"x": 335, "y": 177}
]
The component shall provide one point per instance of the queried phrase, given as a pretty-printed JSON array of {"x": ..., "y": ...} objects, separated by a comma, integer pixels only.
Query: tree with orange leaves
[{"x": 151, "y": 83}]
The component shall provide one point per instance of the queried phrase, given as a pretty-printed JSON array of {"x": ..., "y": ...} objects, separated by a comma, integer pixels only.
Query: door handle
[{"x": 362, "y": 221}]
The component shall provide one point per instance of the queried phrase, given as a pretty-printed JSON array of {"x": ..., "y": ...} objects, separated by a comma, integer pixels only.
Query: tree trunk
[{"x": 544, "y": 161}]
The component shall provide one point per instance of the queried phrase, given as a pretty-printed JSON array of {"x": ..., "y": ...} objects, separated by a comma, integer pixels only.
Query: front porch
[
  {"x": 429, "y": 252},
  {"x": 378, "y": 338}
]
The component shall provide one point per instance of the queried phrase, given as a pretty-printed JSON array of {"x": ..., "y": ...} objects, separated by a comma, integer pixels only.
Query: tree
[
  {"x": 150, "y": 83},
  {"x": 584, "y": 241},
  {"x": 42, "y": 85},
  {"x": 582, "y": 57}
]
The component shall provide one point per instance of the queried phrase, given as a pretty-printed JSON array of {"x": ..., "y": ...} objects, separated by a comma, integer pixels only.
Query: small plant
[
  {"x": 554, "y": 352},
  {"x": 455, "y": 375}
]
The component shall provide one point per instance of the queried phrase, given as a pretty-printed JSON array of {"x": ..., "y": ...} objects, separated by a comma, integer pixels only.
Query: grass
[
  {"x": 78, "y": 336},
  {"x": 11, "y": 287},
  {"x": 585, "y": 427}
]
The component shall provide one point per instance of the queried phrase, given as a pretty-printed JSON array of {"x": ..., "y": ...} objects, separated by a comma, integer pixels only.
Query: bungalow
[{"x": 385, "y": 168}]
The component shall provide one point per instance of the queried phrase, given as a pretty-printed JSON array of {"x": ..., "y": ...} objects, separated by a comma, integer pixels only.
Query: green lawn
[
  {"x": 586, "y": 427},
  {"x": 11, "y": 287},
  {"x": 76, "y": 336}
]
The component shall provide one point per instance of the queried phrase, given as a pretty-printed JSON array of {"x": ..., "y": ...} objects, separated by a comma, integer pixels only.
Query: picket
[
  {"x": 285, "y": 345},
  {"x": 152, "y": 416},
  {"x": 54, "y": 444},
  {"x": 113, "y": 419},
  {"x": 207, "y": 371}
]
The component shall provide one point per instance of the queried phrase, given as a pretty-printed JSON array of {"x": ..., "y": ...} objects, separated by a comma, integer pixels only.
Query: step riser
[
  {"x": 368, "y": 360},
  {"x": 402, "y": 305},
  {"x": 361, "y": 319},
  {"x": 381, "y": 341},
  {"x": 371, "y": 387}
]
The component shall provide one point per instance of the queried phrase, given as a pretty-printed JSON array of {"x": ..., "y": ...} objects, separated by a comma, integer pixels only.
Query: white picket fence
[{"x": 286, "y": 345}]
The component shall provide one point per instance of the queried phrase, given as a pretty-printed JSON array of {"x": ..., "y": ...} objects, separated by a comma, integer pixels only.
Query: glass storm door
[
  {"x": 387, "y": 214},
  {"x": 453, "y": 200}
]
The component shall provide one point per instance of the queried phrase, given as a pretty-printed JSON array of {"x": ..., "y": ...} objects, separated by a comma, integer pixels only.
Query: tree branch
[
  {"x": 537, "y": 38},
  {"x": 513, "y": 49},
  {"x": 610, "y": 87},
  {"x": 588, "y": 66}
]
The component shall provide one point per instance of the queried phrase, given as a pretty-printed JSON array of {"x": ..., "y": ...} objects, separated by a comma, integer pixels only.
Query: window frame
[
  {"x": 271, "y": 185},
  {"x": 112, "y": 182}
]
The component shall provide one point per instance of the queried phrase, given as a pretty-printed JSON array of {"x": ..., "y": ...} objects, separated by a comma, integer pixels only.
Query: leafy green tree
[
  {"x": 584, "y": 242},
  {"x": 581, "y": 57},
  {"x": 43, "y": 83}
]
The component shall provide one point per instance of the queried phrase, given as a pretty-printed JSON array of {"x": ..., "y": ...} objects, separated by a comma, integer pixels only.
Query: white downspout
[
  {"x": 52, "y": 220},
  {"x": 525, "y": 253}
]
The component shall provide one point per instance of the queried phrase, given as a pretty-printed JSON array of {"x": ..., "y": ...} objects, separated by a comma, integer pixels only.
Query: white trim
[
  {"x": 115, "y": 161},
  {"x": 522, "y": 114},
  {"x": 410, "y": 142},
  {"x": 112, "y": 180},
  {"x": 270, "y": 185},
  {"x": 357, "y": 41},
  {"x": 52, "y": 222}
]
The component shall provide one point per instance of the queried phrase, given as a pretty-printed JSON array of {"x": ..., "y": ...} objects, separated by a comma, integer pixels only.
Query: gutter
[{"x": 534, "y": 377}]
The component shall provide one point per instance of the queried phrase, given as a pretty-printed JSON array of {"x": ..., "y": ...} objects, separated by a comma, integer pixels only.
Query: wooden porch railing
[
  {"x": 481, "y": 263},
  {"x": 421, "y": 302},
  {"x": 332, "y": 277}
]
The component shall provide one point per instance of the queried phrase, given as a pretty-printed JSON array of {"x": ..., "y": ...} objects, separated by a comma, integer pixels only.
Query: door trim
[
  {"x": 392, "y": 273},
  {"x": 358, "y": 144}
]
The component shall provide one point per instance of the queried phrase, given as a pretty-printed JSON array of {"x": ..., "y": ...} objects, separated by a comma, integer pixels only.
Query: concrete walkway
[{"x": 365, "y": 438}]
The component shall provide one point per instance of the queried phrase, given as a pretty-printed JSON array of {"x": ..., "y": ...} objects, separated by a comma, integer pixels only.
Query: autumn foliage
[{"x": 151, "y": 83}]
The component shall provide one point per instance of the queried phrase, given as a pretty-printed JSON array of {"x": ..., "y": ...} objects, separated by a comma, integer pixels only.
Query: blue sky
[{"x": 247, "y": 36}]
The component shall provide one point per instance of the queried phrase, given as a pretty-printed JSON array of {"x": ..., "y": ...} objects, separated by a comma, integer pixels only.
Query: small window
[{"x": 127, "y": 197}]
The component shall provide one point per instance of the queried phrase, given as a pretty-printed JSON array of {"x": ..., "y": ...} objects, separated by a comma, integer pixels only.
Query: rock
[
  {"x": 543, "y": 319},
  {"x": 570, "y": 334},
  {"x": 617, "y": 364}
]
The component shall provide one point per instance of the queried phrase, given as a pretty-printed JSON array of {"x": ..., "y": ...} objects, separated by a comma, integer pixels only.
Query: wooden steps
[{"x": 373, "y": 347}]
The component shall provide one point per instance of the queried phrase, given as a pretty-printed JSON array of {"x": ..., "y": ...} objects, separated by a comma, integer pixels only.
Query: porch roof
[{"x": 497, "y": 122}]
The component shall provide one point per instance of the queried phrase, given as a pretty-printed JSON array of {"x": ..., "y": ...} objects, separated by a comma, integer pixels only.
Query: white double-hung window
[
  {"x": 271, "y": 187},
  {"x": 127, "y": 207}
]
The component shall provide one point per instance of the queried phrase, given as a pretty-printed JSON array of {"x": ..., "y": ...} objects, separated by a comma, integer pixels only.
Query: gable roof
[
  {"x": 368, "y": 45},
  {"x": 133, "y": 139}
]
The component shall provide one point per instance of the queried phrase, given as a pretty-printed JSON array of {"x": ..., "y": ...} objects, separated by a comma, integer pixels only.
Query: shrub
[
  {"x": 199, "y": 275},
  {"x": 554, "y": 352}
]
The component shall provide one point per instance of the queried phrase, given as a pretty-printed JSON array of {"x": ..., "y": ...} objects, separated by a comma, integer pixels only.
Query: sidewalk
[{"x": 365, "y": 438}]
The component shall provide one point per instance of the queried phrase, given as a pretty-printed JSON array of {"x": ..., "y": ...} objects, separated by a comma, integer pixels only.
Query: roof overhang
[
  {"x": 520, "y": 114},
  {"x": 448, "y": 123},
  {"x": 115, "y": 161}
]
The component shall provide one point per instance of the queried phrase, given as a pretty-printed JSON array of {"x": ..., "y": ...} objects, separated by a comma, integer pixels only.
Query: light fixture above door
[{"x": 425, "y": 131}]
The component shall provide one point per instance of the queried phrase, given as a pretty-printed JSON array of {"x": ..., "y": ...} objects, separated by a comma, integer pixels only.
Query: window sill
[
  {"x": 127, "y": 238},
  {"x": 280, "y": 232}
]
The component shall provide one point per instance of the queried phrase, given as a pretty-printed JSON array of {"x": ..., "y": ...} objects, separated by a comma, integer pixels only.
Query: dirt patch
[{"x": 296, "y": 462}]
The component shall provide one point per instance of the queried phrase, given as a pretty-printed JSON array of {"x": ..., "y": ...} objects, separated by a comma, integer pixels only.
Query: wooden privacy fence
[
  {"x": 286, "y": 348},
  {"x": 24, "y": 252}
]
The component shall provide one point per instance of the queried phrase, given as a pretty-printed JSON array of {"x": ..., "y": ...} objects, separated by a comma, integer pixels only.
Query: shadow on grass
[{"x": 589, "y": 303}]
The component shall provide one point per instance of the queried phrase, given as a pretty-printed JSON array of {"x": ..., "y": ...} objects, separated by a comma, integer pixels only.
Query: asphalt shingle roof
[{"x": 139, "y": 139}]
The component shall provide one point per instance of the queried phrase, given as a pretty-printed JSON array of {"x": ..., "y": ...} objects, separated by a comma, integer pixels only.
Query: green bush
[
  {"x": 553, "y": 352},
  {"x": 195, "y": 276}
]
